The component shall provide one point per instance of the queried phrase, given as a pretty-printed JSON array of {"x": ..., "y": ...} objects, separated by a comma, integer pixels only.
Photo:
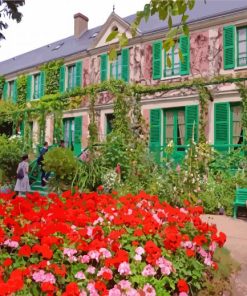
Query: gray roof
[{"x": 71, "y": 45}]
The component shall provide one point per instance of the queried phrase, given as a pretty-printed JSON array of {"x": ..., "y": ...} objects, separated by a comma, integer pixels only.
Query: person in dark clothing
[
  {"x": 62, "y": 144},
  {"x": 44, "y": 175}
]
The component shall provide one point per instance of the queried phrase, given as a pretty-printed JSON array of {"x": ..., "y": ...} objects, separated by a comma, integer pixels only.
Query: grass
[{"x": 219, "y": 280}]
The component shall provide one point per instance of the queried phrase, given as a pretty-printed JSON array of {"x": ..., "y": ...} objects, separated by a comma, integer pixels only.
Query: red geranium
[
  {"x": 183, "y": 286},
  {"x": 7, "y": 262}
]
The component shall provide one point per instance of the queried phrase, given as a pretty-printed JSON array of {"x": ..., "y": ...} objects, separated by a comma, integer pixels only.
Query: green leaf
[
  {"x": 163, "y": 12},
  {"x": 170, "y": 22},
  {"x": 123, "y": 40},
  {"x": 181, "y": 58},
  {"x": 191, "y": 4},
  {"x": 146, "y": 12},
  {"x": 113, "y": 54},
  {"x": 112, "y": 36},
  {"x": 184, "y": 18},
  {"x": 168, "y": 61},
  {"x": 186, "y": 29}
]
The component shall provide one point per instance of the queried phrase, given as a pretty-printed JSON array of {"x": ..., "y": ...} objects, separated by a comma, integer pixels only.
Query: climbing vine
[
  {"x": 52, "y": 72},
  {"x": 204, "y": 97},
  {"x": 2, "y": 80},
  {"x": 243, "y": 95},
  {"x": 21, "y": 90}
]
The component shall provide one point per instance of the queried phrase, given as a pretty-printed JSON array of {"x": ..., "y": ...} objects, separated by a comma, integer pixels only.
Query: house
[{"x": 216, "y": 45}]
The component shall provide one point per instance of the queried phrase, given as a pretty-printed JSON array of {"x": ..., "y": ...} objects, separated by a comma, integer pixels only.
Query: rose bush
[{"x": 97, "y": 244}]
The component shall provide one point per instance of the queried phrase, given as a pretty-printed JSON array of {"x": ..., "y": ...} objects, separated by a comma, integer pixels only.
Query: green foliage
[
  {"x": 2, "y": 80},
  {"x": 7, "y": 111},
  {"x": 62, "y": 163},
  {"x": 9, "y": 9},
  {"x": 52, "y": 72},
  {"x": 243, "y": 94},
  {"x": 10, "y": 155},
  {"x": 21, "y": 90}
]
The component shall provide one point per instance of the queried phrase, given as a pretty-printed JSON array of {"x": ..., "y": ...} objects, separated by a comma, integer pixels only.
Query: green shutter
[
  {"x": 184, "y": 44},
  {"x": 229, "y": 47},
  {"x": 103, "y": 67},
  {"x": 62, "y": 79},
  {"x": 42, "y": 84},
  {"x": 78, "y": 70},
  {"x": 5, "y": 90},
  {"x": 125, "y": 64},
  {"x": 78, "y": 135},
  {"x": 22, "y": 128},
  {"x": 155, "y": 133},
  {"x": 29, "y": 87},
  {"x": 221, "y": 126},
  {"x": 157, "y": 60},
  {"x": 191, "y": 123},
  {"x": 15, "y": 92}
]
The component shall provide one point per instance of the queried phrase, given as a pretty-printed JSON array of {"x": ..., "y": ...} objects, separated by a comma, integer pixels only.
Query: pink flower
[
  {"x": 94, "y": 255},
  {"x": 105, "y": 253},
  {"x": 148, "y": 270},
  {"x": 69, "y": 252},
  {"x": 104, "y": 269},
  {"x": 115, "y": 292},
  {"x": 91, "y": 269},
  {"x": 83, "y": 293},
  {"x": 164, "y": 265},
  {"x": 92, "y": 290},
  {"x": 80, "y": 275},
  {"x": 124, "y": 268},
  {"x": 11, "y": 244},
  {"x": 183, "y": 294},
  {"x": 139, "y": 251},
  {"x": 85, "y": 259},
  {"x": 124, "y": 285},
  {"x": 138, "y": 257},
  {"x": 149, "y": 290},
  {"x": 42, "y": 277}
]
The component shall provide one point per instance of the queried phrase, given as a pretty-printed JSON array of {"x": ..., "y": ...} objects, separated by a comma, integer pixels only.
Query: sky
[{"x": 46, "y": 21}]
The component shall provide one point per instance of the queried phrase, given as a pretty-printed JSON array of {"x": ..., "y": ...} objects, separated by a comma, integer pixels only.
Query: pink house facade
[{"x": 216, "y": 45}]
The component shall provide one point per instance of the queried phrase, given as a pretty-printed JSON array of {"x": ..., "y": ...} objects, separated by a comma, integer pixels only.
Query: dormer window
[{"x": 114, "y": 29}]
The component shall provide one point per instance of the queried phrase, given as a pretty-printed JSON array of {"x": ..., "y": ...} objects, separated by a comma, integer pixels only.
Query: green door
[{"x": 73, "y": 133}]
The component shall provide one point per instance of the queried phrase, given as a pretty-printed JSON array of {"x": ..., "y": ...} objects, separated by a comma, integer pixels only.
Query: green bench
[{"x": 240, "y": 200}]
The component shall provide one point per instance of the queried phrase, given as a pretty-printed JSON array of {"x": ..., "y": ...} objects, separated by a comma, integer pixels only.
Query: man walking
[{"x": 44, "y": 175}]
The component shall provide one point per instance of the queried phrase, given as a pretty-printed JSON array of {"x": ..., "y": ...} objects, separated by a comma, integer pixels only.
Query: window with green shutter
[
  {"x": 36, "y": 86},
  {"x": 157, "y": 60},
  {"x": 103, "y": 67},
  {"x": 174, "y": 69},
  {"x": 15, "y": 94},
  {"x": 155, "y": 133},
  {"x": 78, "y": 80},
  {"x": 242, "y": 46},
  {"x": 109, "y": 120},
  {"x": 221, "y": 126},
  {"x": 125, "y": 65},
  {"x": 236, "y": 127},
  {"x": 191, "y": 118},
  {"x": 78, "y": 135},
  {"x": 71, "y": 77},
  {"x": 5, "y": 90},
  {"x": 116, "y": 67},
  {"x": 184, "y": 44},
  {"x": 229, "y": 47}
]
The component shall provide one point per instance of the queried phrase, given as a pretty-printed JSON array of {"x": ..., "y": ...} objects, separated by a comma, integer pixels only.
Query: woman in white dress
[{"x": 22, "y": 184}]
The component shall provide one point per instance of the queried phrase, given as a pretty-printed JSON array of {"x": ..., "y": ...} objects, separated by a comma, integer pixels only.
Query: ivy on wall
[
  {"x": 124, "y": 93},
  {"x": 2, "y": 80},
  {"x": 243, "y": 94},
  {"x": 21, "y": 90},
  {"x": 52, "y": 72}
]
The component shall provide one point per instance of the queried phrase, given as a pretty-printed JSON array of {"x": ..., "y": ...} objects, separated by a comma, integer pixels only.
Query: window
[
  {"x": 242, "y": 46},
  {"x": 109, "y": 120},
  {"x": 175, "y": 62},
  {"x": 178, "y": 67},
  {"x": 177, "y": 125},
  {"x": 71, "y": 77},
  {"x": 73, "y": 134},
  {"x": 116, "y": 67},
  {"x": 174, "y": 127},
  {"x": 36, "y": 86},
  {"x": 228, "y": 129},
  {"x": 11, "y": 89}
]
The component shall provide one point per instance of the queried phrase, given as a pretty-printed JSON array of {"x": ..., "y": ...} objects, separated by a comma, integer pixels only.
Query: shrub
[
  {"x": 61, "y": 162},
  {"x": 10, "y": 155}
]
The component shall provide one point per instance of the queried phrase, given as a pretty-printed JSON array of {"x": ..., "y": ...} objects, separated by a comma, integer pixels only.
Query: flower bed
[{"x": 96, "y": 244}]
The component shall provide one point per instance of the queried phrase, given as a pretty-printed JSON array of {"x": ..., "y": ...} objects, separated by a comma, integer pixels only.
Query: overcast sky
[{"x": 46, "y": 21}]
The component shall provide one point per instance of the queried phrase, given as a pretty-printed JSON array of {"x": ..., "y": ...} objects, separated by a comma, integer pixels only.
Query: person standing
[
  {"x": 44, "y": 175},
  {"x": 22, "y": 184},
  {"x": 62, "y": 144}
]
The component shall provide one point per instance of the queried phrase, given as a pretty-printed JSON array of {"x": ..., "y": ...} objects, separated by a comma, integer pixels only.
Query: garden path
[{"x": 236, "y": 232}]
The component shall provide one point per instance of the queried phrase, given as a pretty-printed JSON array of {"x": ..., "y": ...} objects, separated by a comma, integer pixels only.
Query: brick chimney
[{"x": 80, "y": 24}]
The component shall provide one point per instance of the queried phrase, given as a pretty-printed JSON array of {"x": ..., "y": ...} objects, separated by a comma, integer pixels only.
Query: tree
[
  {"x": 9, "y": 9},
  {"x": 166, "y": 9}
]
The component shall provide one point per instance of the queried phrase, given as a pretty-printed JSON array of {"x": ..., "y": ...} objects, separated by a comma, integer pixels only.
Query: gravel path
[{"x": 236, "y": 232}]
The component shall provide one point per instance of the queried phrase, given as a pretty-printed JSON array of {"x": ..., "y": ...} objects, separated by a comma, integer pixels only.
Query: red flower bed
[{"x": 95, "y": 244}]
